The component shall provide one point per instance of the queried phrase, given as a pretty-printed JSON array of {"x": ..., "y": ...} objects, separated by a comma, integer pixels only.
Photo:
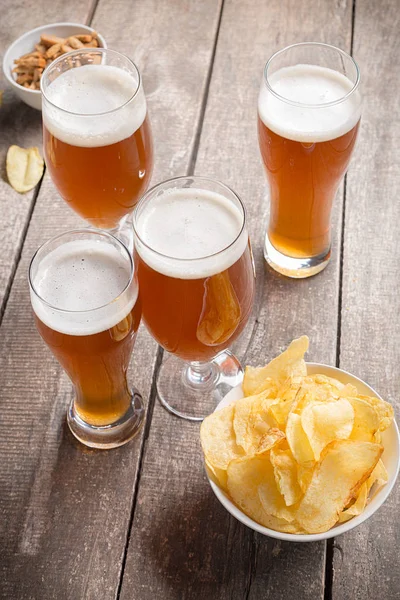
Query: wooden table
[{"x": 141, "y": 522}]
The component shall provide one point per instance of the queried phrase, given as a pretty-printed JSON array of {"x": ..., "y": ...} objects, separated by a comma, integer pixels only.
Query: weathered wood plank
[
  {"x": 22, "y": 125},
  {"x": 183, "y": 544},
  {"x": 64, "y": 510},
  {"x": 365, "y": 560}
]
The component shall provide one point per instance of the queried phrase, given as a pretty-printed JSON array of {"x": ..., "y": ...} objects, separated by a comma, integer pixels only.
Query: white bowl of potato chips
[{"x": 301, "y": 451}]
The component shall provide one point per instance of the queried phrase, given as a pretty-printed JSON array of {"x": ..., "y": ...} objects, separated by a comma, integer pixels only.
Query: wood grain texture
[
  {"x": 366, "y": 560},
  {"x": 64, "y": 510},
  {"x": 171, "y": 43},
  {"x": 183, "y": 543},
  {"x": 21, "y": 124}
]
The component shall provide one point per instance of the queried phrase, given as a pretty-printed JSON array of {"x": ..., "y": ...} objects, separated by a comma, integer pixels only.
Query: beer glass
[
  {"x": 96, "y": 134},
  {"x": 196, "y": 279},
  {"x": 309, "y": 111},
  {"x": 84, "y": 296}
]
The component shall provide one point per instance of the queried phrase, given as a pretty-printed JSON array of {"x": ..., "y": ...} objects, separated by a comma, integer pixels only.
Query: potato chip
[
  {"x": 366, "y": 421},
  {"x": 316, "y": 388},
  {"x": 24, "y": 168},
  {"x": 272, "y": 500},
  {"x": 323, "y": 388},
  {"x": 348, "y": 390},
  {"x": 280, "y": 412},
  {"x": 324, "y": 422},
  {"x": 218, "y": 476},
  {"x": 218, "y": 438},
  {"x": 384, "y": 409},
  {"x": 343, "y": 468},
  {"x": 298, "y": 441},
  {"x": 272, "y": 438},
  {"x": 285, "y": 472},
  {"x": 378, "y": 477},
  {"x": 245, "y": 476},
  {"x": 357, "y": 507},
  {"x": 303, "y": 397},
  {"x": 252, "y": 420},
  {"x": 378, "y": 437},
  {"x": 288, "y": 364},
  {"x": 286, "y": 397},
  {"x": 304, "y": 475},
  {"x": 268, "y": 385},
  {"x": 289, "y": 389}
]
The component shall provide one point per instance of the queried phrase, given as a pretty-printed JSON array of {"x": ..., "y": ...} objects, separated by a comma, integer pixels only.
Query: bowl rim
[
  {"x": 6, "y": 66},
  {"x": 336, "y": 530}
]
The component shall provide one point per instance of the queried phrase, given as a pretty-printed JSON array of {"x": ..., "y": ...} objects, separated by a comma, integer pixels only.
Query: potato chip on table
[
  {"x": 299, "y": 453},
  {"x": 24, "y": 168}
]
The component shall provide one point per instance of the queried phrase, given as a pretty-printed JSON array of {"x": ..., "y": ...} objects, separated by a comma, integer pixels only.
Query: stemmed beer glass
[
  {"x": 196, "y": 279},
  {"x": 97, "y": 138}
]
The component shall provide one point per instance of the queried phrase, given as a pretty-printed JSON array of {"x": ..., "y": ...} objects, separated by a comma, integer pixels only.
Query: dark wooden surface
[{"x": 141, "y": 522}]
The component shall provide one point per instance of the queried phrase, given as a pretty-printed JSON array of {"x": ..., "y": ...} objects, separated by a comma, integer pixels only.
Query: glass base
[
  {"x": 297, "y": 268},
  {"x": 108, "y": 436},
  {"x": 191, "y": 391}
]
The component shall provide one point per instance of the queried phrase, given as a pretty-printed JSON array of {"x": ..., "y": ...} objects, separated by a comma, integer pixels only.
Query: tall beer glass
[
  {"x": 84, "y": 296},
  {"x": 309, "y": 112},
  {"x": 196, "y": 280},
  {"x": 96, "y": 134}
]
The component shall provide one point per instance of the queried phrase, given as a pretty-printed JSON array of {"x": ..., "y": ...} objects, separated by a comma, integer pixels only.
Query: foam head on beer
[
  {"x": 88, "y": 97},
  {"x": 303, "y": 118},
  {"x": 86, "y": 287},
  {"x": 190, "y": 233}
]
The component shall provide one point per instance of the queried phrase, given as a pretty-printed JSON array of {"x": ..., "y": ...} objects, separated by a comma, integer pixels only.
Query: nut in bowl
[
  {"x": 302, "y": 452},
  {"x": 31, "y": 43}
]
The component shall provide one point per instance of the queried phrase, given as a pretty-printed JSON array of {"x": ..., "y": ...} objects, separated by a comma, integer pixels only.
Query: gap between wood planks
[
  {"x": 160, "y": 351},
  {"x": 19, "y": 250},
  {"x": 330, "y": 544}
]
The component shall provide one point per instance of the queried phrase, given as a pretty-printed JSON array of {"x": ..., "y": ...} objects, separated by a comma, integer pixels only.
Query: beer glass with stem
[
  {"x": 309, "y": 112},
  {"x": 85, "y": 302},
  {"x": 196, "y": 278},
  {"x": 96, "y": 134}
]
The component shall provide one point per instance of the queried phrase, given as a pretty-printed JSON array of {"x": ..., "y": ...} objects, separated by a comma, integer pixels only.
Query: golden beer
[
  {"x": 197, "y": 318},
  {"x": 308, "y": 117},
  {"x": 97, "y": 365},
  {"x": 96, "y": 135},
  {"x": 102, "y": 184},
  {"x": 86, "y": 307},
  {"x": 303, "y": 178}
]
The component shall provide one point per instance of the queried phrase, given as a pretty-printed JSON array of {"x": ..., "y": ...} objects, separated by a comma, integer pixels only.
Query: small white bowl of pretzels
[{"x": 27, "y": 57}]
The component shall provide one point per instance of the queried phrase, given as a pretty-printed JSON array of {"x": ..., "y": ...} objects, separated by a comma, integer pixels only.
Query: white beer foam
[
  {"x": 86, "y": 92},
  {"x": 84, "y": 275},
  {"x": 186, "y": 228},
  {"x": 309, "y": 84}
]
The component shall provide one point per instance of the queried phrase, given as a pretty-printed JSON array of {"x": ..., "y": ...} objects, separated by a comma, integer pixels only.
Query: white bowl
[
  {"x": 390, "y": 458},
  {"x": 26, "y": 43}
]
